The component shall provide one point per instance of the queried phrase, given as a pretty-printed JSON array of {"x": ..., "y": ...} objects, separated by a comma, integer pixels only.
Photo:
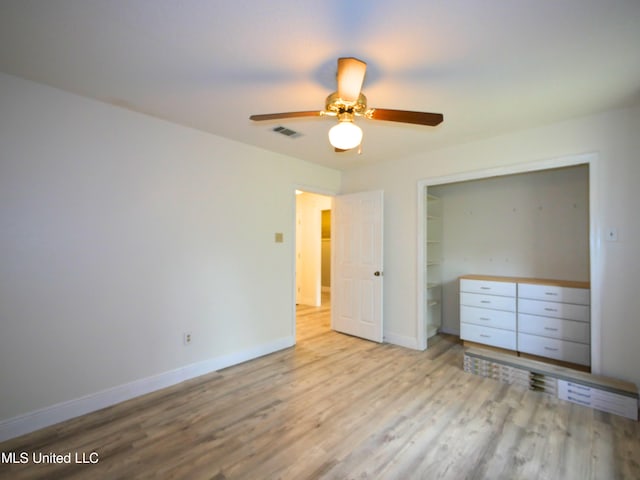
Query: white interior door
[{"x": 356, "y": 285}]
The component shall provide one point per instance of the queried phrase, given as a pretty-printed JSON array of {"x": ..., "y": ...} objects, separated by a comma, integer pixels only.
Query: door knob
[{"x": 377, "y": 274}]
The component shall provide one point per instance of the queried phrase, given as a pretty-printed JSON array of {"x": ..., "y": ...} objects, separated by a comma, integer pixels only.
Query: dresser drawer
[
  {"x": 488, "y": 301},
  {"x": 552, "y": 309},
  {"x": 554, "y": 327},
  {"x": 505, "y": 289},
  {"x": 552, "y": 293},
  {"x": 488, "y": 318},
  {"x": 553, "y": 348},
  {"x": 488, "y": 336},
  {"x": 611, "y": 402}
]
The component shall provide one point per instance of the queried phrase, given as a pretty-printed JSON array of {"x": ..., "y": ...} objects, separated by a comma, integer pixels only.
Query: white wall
[
  {"x": 613, "y": 135},
  {"x": 119, "y": 232},
  {"x": 532, "y": 224}
]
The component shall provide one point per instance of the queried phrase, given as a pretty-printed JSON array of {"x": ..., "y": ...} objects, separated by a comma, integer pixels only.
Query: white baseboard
[
  {"x": 401, "y": 340},
  {"x": 44, "y": 417}
]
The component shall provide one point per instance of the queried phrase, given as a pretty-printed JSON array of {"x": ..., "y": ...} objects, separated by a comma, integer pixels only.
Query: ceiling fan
[{"x": 349, "y": 102}]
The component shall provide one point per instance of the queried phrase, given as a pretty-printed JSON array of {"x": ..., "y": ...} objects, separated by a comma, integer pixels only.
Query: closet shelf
[{"x": 433, "y": 269}]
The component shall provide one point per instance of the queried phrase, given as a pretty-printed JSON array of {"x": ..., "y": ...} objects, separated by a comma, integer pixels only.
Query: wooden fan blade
[
  {"x": 406, "y": 116},
  {"x": 275, "y": 116},
  {"x": 351, "y": 73}
]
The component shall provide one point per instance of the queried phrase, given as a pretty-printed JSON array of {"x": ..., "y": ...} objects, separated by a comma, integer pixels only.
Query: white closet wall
[{"x": 528, "y": 225}]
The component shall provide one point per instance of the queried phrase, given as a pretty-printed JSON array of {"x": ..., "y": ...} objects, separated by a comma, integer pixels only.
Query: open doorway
[{"x": 312, "y": 255}]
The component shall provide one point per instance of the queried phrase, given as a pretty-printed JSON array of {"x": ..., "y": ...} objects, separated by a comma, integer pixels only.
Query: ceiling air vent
[{"x": 287, "y": 132}]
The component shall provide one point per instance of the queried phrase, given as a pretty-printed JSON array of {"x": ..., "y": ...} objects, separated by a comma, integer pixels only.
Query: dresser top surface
[{"x": 530, "y": 280}]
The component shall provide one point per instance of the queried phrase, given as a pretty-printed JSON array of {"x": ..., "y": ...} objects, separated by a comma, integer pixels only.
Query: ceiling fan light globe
[{"x": 345, "y": 135}]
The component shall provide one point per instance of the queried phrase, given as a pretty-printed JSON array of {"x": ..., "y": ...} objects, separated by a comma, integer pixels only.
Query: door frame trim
[{"x": 595, "y": 255}]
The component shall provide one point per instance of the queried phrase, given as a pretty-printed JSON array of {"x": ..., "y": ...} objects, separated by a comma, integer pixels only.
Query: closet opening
[{"x": 533, "y": 220}]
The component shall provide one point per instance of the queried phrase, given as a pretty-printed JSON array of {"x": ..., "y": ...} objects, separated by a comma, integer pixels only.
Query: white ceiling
[{"x": 489, "y": 66}]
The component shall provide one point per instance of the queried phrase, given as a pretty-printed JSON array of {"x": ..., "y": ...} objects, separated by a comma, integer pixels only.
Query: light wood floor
[{"x": 339, "y": 407}]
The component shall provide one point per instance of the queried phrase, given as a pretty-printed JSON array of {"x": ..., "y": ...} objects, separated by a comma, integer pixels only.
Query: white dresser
[
  {"x": 488, "y": 312},
  {"x": 553, "y": 321},
  {"x": 545, "y": 318}
]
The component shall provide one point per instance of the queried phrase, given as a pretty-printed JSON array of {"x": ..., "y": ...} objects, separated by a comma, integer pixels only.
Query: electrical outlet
[{"x": 186, "y": 338}]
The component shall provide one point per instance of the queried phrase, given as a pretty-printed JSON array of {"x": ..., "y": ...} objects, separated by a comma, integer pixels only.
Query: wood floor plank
[
  {"x": 365, "y": 421},
  {"x": 338, "y": 407}
]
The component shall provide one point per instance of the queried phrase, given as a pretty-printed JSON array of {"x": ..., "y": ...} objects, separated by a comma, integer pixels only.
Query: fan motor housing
[{"x": 337, "y": 106}]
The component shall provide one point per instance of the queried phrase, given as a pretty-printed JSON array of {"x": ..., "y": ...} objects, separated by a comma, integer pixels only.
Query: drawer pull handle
[
  {"x": 551, "y": 329},
  {"x": 551, "y": 293},
  {"x": 551, "y": 309},
  {"x": 485, "y": 336},
  {"x": 486, "y": 319},
  {"x": 485, "y": 288},
  {"x": 485, "y": 301},
  {"x": 551, "y": 349},
  {"x": 585, "y": 395},
  {"x": 582, "y": 387}
]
